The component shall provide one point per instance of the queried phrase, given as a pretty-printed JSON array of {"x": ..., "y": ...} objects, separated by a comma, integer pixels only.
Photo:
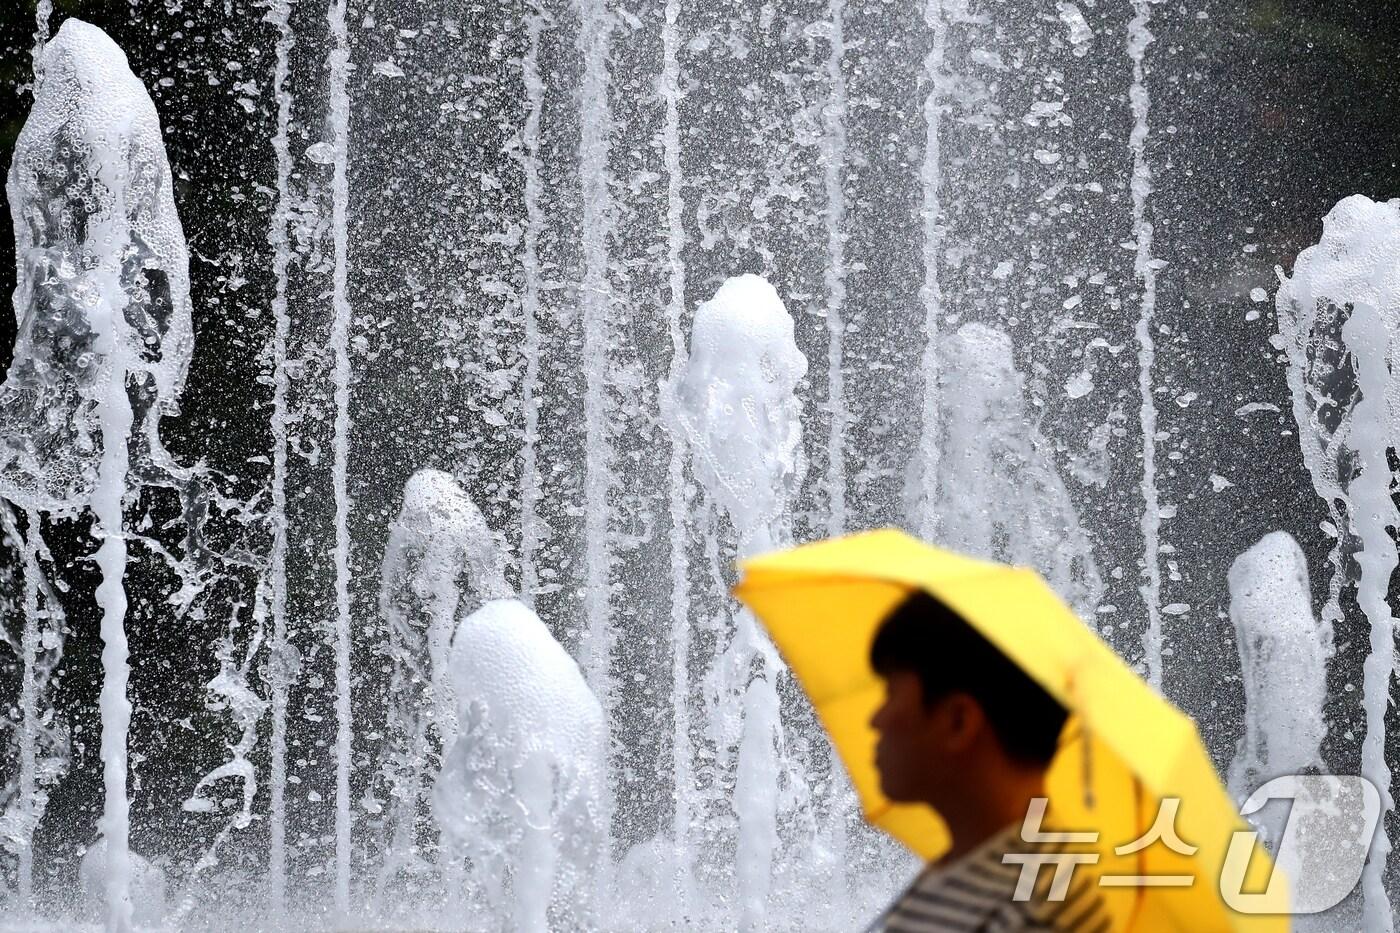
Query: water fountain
[{"x": 547, "y": 315}]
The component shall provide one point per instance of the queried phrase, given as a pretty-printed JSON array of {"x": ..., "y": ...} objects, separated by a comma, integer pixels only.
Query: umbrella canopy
[{"x": 1124, "y": 750}]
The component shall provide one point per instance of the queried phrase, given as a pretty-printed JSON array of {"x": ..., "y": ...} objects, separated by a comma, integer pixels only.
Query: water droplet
[{"x": 321, "y": 153}]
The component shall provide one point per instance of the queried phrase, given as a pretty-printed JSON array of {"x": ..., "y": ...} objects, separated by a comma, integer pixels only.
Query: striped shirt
[{"x": 976, "y": 894}]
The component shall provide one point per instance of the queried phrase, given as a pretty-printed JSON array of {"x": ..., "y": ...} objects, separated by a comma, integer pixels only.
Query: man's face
[
  {"x": 903, "y": 754},
  {"x": 919, "y": 745}
]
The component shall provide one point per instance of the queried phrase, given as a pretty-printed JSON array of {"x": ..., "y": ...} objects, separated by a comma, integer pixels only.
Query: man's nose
[{"x": 878, "y": 716}]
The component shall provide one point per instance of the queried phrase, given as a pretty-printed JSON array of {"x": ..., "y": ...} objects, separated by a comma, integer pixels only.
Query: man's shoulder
[
  {"x": 1041, "y": 899},
  {"x": 984, "y": 893},
  {"x": 1079, "y": 910}
]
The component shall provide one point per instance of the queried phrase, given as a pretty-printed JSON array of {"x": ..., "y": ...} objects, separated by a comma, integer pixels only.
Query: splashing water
[
  {"x": 740, "y": 410},
  {"x": 606, "y": 447},
  {"x": 1338, "y": 317},
  {"x": 522, "y": 794},
  {"x": 104, "y": 277},
  {"x": 1000, "y": 495},
  {"x": 740, "y": 414},
  {"x": 44, "y": 748},
  {"x": 1283, "y": 653},
  {"x": 104, "y": 341},
  {"x": 441, "y": 560}
]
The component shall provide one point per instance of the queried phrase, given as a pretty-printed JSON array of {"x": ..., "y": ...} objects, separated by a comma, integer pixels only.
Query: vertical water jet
[
  {"x": 834, "y": 159},
  {"x": 1283, "y": 659},
  {"x": 1376, "y": 519},
  {"x": 19, "y": 819},
  {"x": 29, "y": 643},
  {"x": 596, "y": 298},
  {"x": 339, "y": 119},
  {"x": 114, "y": 413},
  {"x": 739, "y": 408},
  {"x": 279, "y": 674},
  {"x": 103, "y": 342},
  {"x": 440, "y": 562},
  {"x": 930, "y": 291},
  {"x": 1338, "y": 320},
  {"x": 682, "y": 752},
  {"x": 1144, "y": 267},
  {"x": 530, "y": 310}
]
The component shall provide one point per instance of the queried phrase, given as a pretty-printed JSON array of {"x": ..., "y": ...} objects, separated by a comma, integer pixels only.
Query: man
[{"x": 966, "y": 731}]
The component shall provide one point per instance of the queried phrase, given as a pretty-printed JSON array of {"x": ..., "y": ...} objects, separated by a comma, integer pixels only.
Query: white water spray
[
  {"x": 441, "y": 560},
  {"x": 90, "y": 180},
  {"x": 29, "y": 805},
  {"x": 43, "y": 747},
  {"x": 90, "y": 148},
  {"x": 148, "y": 886},
  {"x": 231, "y": 689},
  {"x": 1371, "y": 338},
  {"x": 1000, "y": 494},
  {"x": 1338, "y": 318},
  {"x": 522, "y": 796},
  {"x": 42, "y": 11},
  {"x": 740, "y": 411},
  {"x": 28, "y": 704},
  {"x": 1283, "y": 661},
  {"x": 1283, "y": 657}
]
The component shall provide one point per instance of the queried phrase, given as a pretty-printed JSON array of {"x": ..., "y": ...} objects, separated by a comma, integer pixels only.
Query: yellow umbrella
[{"x": 822, "y": 604}]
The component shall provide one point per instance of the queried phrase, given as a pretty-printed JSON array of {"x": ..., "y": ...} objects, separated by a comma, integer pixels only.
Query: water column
[
  {"x": 530, "y": 310},
  {"x": 1338, "y": 317},
  {"x": 104, "y": 332},
  {"x": 28, "y": 703},
  {"x": 29, "y": 638},
  {"x": 42, "y": 11},
  {"x": 682, "y": 749},
  {"x": 339, "y": 118},
  {"x": 595, "y": 128},
  {"x": 834, "y": 159},
  {"x": 1370, "y": 336},
  {"x": 1283, "y": 661},
  {"x": 1000, "y": 494},
  {"x": 278, "y": 670},
  {"x": 40, "y": 647},
  {"x": 115, "y": 416},
  {"x": 1138, "y": 39},
  {"x": 439, "y": 545},
  {"x": 741, "y": 413},
  {"x": 930, "y": 292}
]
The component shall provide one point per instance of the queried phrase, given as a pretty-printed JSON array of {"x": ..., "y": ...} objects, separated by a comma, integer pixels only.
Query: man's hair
[{"x": 924, "y": 637}]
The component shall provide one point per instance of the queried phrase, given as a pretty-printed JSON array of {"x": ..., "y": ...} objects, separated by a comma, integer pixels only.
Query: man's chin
[{"x": 897, "y": 794}]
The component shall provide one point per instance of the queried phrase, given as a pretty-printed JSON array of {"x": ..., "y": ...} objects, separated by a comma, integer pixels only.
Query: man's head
[{"x": 956, "y": 710}]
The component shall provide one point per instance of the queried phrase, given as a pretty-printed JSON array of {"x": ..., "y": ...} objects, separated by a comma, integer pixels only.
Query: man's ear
[{"x": 963, "y": 721}]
